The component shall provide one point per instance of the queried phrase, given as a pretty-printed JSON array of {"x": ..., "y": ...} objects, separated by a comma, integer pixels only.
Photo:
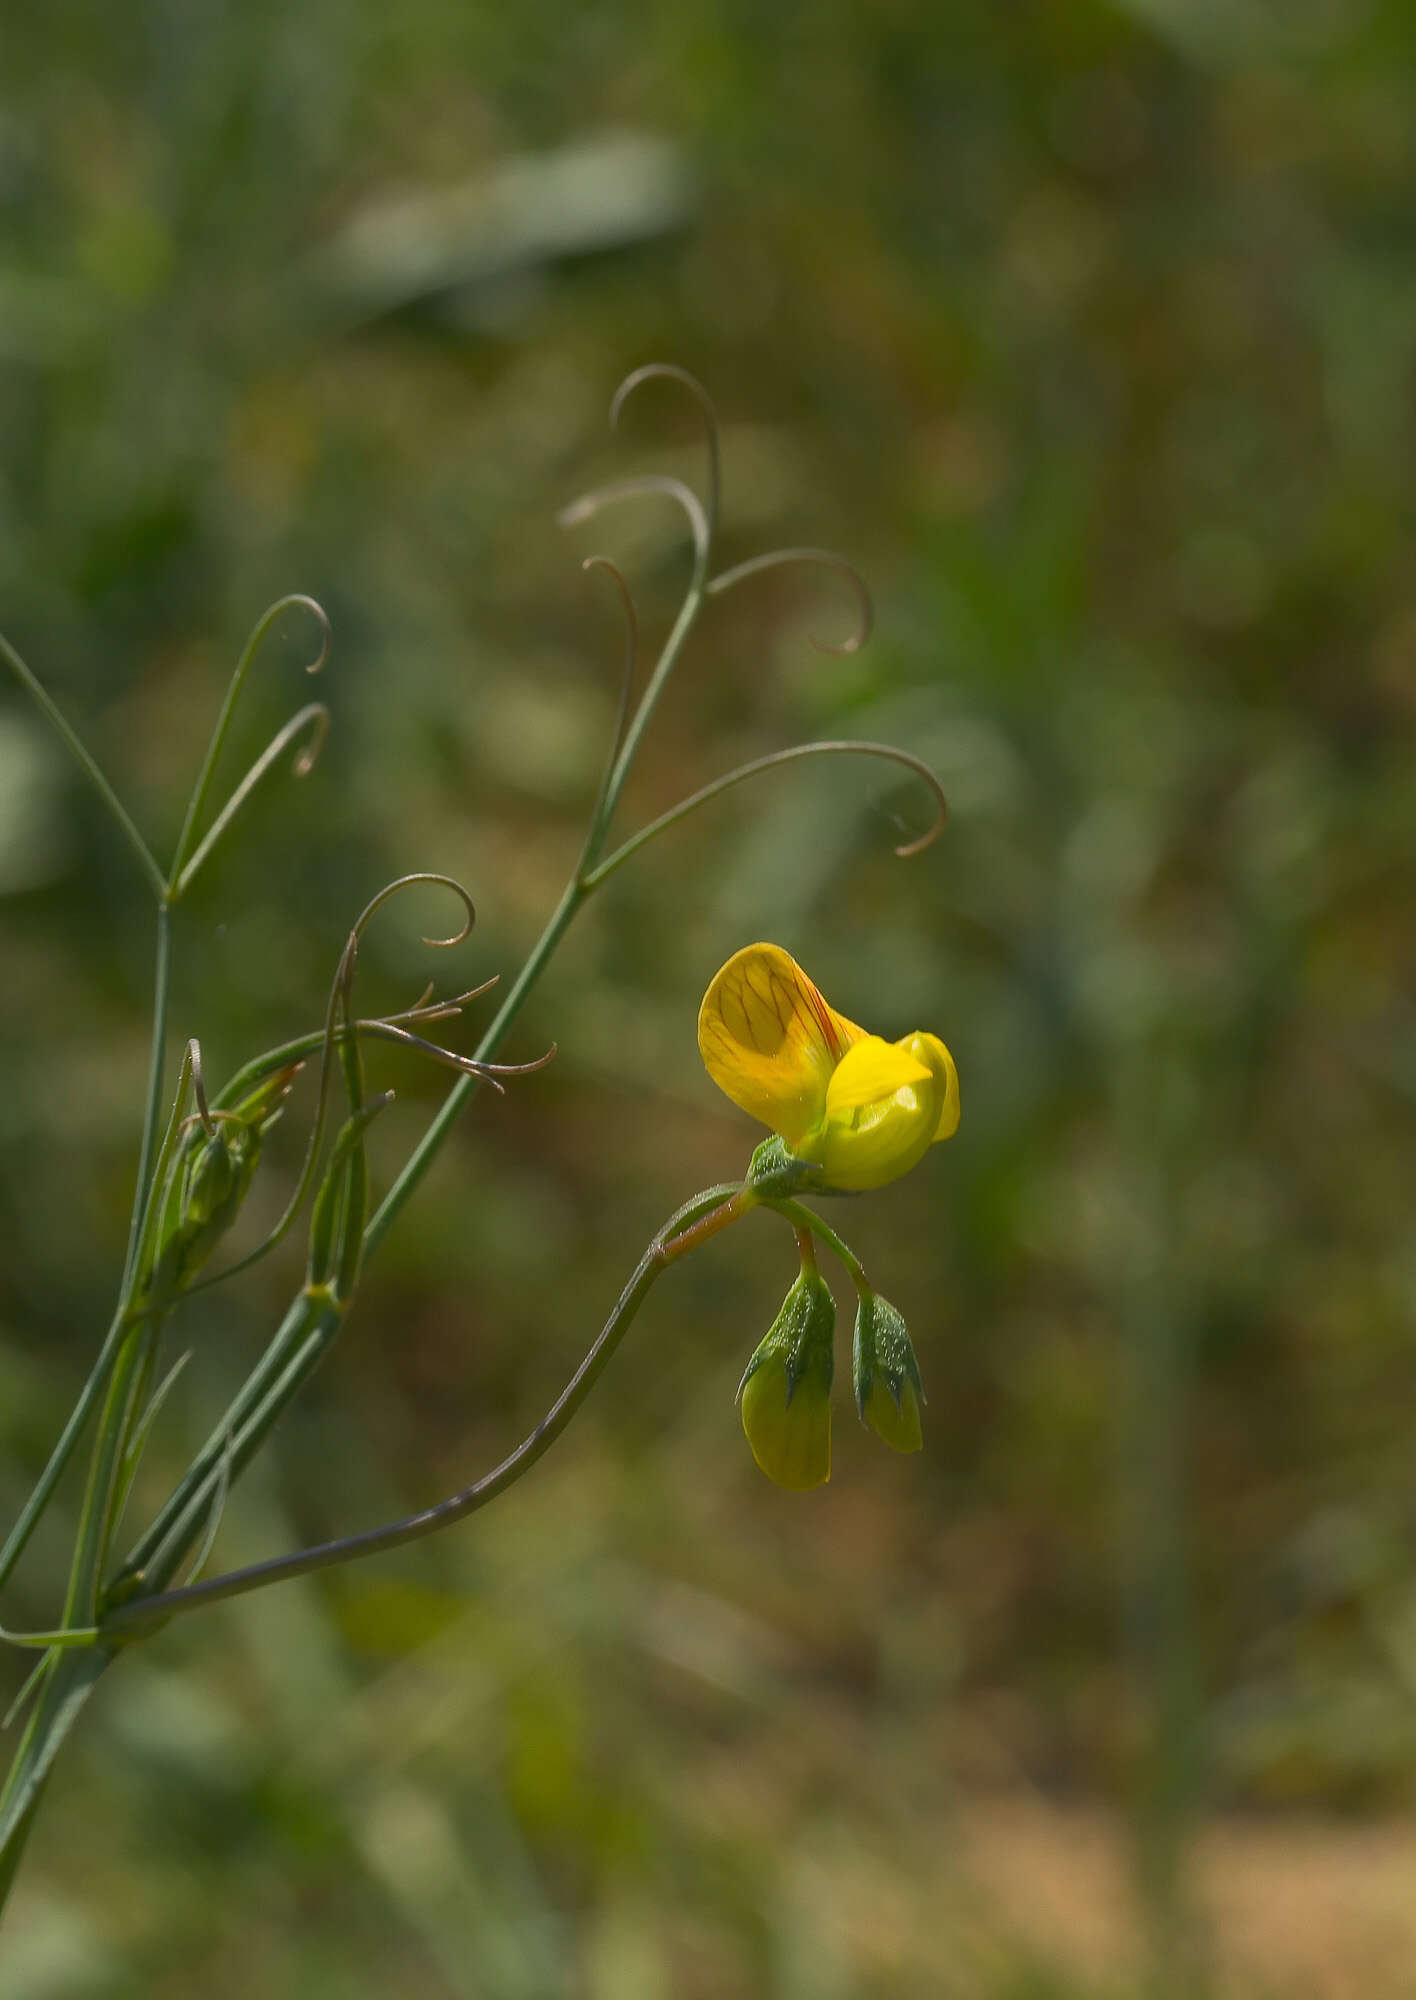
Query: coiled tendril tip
[
  {"x": 670, "y": 371},
  {"x": 406, "y": 882},
  {"x": 823, "y": 559}
]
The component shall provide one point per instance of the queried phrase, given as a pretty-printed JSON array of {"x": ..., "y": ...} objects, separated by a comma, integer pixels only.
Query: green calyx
[
  {"x": 773, "y": 1173},
  {"x": 785, "y": 1391},
  {"x": 211, "y": 1179},
  {"x": 888, "y": 1391}
]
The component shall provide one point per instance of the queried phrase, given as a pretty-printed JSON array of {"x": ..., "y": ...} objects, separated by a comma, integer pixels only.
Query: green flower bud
[
  {"x": 218, "y": 1176},
  {"x": 214, "y": 1182},
  {"x": 887, "y": 1385},
  {"x": 786, "y": 1391}
]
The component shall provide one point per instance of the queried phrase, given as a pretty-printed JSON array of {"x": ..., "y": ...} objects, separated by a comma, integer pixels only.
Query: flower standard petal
[{"x": 770, "y": 1041}]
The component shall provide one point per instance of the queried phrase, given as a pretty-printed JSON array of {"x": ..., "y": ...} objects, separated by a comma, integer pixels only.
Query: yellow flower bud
[
  {"x": 887, "y": 1384},
  {"x": 786, "y": 1391}
]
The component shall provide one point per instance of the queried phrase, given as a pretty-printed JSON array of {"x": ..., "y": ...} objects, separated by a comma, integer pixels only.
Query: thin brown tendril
[
  {"x": 326, "y": 635},
  {"x": 822, "y": 558},
  {"x": 846, "y": 748},
  {"x": 361, "y": 923},
  {"x": 338, "y": 996},
  {"x": 388, "y": 1031},
  {"x": 427, "y": 1009},
  {"x": 645, "y": 484},
  {"x": 271, "y": 616},
  {"x": 314, "y": 717},
  {"x": 669, "y": 371},
  {"x": 181, "y": 870}
]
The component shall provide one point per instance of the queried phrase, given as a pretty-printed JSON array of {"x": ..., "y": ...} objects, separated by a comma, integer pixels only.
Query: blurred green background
[{"x": 1088, "y": 333}]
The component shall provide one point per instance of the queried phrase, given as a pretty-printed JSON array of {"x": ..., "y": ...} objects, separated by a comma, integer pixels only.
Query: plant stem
[
  {"x": 117, "y": 811},
  {"x": 803, "y": 1218},
  {"x": 426, "y": 1151},
  {"x": 152, "y": 1113},
  {"x": 704, "y": 1216},
  {"x": 304, "y": 1334},
  {"x": 59, "y": 1457}
]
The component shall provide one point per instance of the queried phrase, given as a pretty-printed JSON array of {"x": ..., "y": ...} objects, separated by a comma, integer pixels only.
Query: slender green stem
[
  {"x": 426, "y": 1151},
  {"x": 67, "y": 1687},
  {"x": 73, "y": 1430},
  {"x": 95, "y": 1517},
  {"x": 576, "y": 891},
  {"x": 803, "y": 1218},
  {"x": 739, "y": 1201},
  {"x": 299, "y": 1343},
  {"x": 301, "y": 1338},
  {"x": 697, "y": 1220},
  {"x": 161, "y": 987},
  {"x": 62, "y": 1637},
  {"x": 118, "y": 812},
  {"x": 196, "y": 805},
  {"x": 130, "y": 1419},
  {"x": 643, "y": 715},
  {"x": 314, "y": 713}
]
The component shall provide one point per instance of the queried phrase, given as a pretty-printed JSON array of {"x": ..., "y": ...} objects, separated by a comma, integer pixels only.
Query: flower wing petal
[
  {"x": 871, "y": 1071},
  {"x": 770, "y": 1041}
]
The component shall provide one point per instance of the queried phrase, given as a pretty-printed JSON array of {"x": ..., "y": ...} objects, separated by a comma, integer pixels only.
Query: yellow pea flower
[{"x": 857, "y": 1111}]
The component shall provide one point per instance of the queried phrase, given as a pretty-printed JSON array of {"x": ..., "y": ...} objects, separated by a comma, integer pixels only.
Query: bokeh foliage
[{"x": 1088, "y": 333}]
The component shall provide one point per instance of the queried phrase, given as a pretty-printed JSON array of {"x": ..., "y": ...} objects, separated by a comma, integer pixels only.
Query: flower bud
[
  {"x": 786, "y": 1391},
  {"x": 220, "y": 1166},
  {"x": 887, "y": 1385}
]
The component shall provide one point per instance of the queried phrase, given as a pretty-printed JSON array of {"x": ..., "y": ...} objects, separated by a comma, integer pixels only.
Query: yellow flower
[{"x": 855, "y": 1110}]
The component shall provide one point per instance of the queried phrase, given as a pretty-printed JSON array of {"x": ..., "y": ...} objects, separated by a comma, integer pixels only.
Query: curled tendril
[
  {"x": 486, "y": 1072},
  {"x": 627, "y": 674},
  {"x": 821, "y": 558},
  {"x": 336, "y": 1033},
  {"x": 186, "y": 840},
  {"x": 194, "y": 1065},
  {"x": 339, "y": 992},
  {"x": 314, "y": 718},
  {"x": 669, "y": 371},
  {"x": 392, "y": 1028},
  {"x": 425, "y": 1008},
  {"x": 362, "y": 921},
  {"x": 280, "y": 607},
  {"x": 845, "y": 748},
  {"x": 644, "y": 483}
]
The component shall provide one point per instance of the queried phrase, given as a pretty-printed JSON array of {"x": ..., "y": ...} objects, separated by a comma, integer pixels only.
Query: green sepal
[
  {"x": 211, "y": 1180},
  {"x": 773, "y": 1172},
  {"x": 888, "y": 1390}
]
